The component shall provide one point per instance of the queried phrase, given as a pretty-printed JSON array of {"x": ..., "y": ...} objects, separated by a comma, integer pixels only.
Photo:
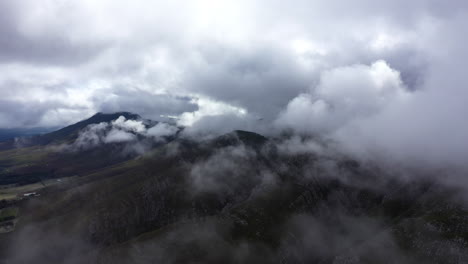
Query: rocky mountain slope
[{"x": 236, "y": 198}]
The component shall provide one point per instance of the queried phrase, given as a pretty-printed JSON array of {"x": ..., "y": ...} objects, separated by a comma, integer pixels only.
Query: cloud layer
[{"x": 376, "y": 77}]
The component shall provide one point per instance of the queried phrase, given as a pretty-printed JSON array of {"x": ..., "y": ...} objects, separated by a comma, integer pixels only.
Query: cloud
[
  {"x": 119, "y": 136},
  {"x": 298, "y": 145},
  {"x": 427, "y": 130},
  {"x": 378, "y": 81},
  {"x": 223, "y": 171},
  {"x": 129, "y": 125},
  {"x": 91, "y": 136},
  {"x": 344, "y": 94},
  {"x": 345, "y": 239},
  {"x": 145, "y": 103},
  {"x": 122, "y": 130},
  {"x": 31, "y": 34},
  {"x": 237, "y": 53},
  {"x": 162, "y": 130},
  {"x": 418, "y": 128}
]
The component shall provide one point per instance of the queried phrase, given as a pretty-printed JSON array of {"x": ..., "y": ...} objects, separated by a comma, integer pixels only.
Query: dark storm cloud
[
  {"x": 263, "y": 79},
  {"x": 260, "y": 79},
  {"x": 253, "y": 68}
]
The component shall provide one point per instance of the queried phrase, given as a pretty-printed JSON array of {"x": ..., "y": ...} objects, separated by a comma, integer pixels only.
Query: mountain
[
  {"x": 35, "y": 159},
  {"x": 236, "y": 198},
  {"x": 71, "y": 131},
  {"x": 66, "y": 133}
]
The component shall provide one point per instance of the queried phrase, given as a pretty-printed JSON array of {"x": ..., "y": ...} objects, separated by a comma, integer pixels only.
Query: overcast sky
[{"x": 359, "y": 71}]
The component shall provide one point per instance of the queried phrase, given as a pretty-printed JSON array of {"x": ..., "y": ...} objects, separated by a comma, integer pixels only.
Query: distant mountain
[
  {"x": 36, "y": 158},
  {"x": 72, "y": 130},
  {"x": 64, "y": 134}
]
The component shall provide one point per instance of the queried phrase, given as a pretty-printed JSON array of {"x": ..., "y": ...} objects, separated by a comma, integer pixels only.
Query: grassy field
[
  {"x": 23, "y": 155},
  {"x": 21, "y": 160},
  {"x": 11, "y": 193},
  {"x": 8, "y": 219},
  {"x": 8, "y": 213}
]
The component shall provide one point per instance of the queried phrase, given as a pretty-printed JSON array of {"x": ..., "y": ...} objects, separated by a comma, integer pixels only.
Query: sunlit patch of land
[{"x": 8, "y": 219}]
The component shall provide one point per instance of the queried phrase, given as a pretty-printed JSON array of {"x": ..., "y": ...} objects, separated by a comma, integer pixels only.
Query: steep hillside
[
  {"x": 57, "y": 154},
  {"x": 237, "y": 198}
]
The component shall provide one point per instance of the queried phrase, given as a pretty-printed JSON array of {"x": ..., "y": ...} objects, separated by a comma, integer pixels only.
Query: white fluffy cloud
[
  {"x": 344, "y": 95},
  {"x": 162, "y": 130},
  {"x": 129, "y": 125},
  {"x": 91, "y": 136},
  {"x": 116, "y": 135},
  {"x": 121, "y": 130}
]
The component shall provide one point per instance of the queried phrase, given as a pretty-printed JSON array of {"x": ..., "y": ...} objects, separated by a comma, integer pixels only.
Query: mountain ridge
[
  {"x": 54, "y": 155},
  {"x": 235, "y": 198}
]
